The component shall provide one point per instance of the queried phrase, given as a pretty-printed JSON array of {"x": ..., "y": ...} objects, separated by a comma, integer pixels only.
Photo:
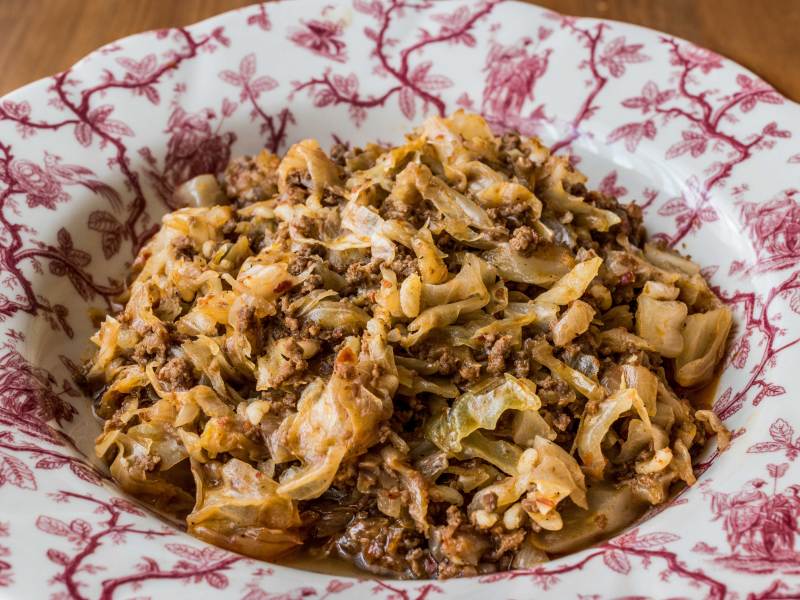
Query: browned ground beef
[{"x": 263, "y": 340}]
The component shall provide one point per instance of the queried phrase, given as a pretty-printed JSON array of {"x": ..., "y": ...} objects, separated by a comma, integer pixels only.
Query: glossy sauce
[
  {"x": 327, "y": 565},
  {"x": 703, "y": 398}
]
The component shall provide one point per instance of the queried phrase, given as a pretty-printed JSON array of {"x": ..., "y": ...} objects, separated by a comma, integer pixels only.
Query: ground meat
[
  {"x": 303, "y": 259},
  {"x": 282, "y": 401},
  {"x": 630, "y": 216},
  {"x": 143, "y": 462},
  {"x": 408, "y": 411},
  {"x": 554, "y": 391},
  {"x": 385, "y": 547},
  {"x": 246, "y": 322},
  {"x": 504, "y": 542},
  {"x": 637, "y": 232},
  {"x": 307, "y": 227},
  {"x": 153, "y": 343},
  {"x": 177, "y": 374},
  {"x": 312, "y": 282},
  {"x": 623, "y": 294},
  {"x": 561, "y": 421},
  {"x": 515, "y": 158},
  {"x": 522, "y": 363},
  {"x": 256, "y": 240},
  {"x": 448, "y": 360},
  {"x": 296, "y": 189},
  {"x": 470, "y": 371},
  {"x": 459, "y": 544},
  {"x": 405, "y": 266},
  {"x": 577, "y": 189},
  {"x": 338, "y": 154},
  {"x": 292, "y": 324},
  {"x": 251, "y": 179},
  {"x": 444, "y": 358},
  {"x": 293, "y": 365},
  {"x": 183, "y": 246},
  {"x": 496, "y": 358},
  {"x": 363, "y": 273},
  {"x": 416, "y": 213},
  {"x": 524, "y": 240}
]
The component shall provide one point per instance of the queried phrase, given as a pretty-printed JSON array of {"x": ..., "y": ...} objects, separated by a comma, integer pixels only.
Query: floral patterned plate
[{"x": 88, "y": 159}]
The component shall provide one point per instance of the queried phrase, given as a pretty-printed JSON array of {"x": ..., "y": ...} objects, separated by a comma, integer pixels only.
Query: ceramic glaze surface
[{"x": 88, "y": 162}]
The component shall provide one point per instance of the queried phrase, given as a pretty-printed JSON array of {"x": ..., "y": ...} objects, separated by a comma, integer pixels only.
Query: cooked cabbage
[
  {"x": 572, "y": 285},
  {"x": 572, "y": 323},
  {"x": 473, "y": 411},
  {"x": 585, "y": 385},
  {"x": 544, "y": 266},
  {"x": 545, "y": 475},
  {"x": 240, "y": 506},
  {"x": 595, "y": 425},
  {"x": 333, "y": 421},
  {"x": 421, "y": 349},
  {"x": 431, "y": 266},
  {"x": 660, "y": 318},
  {"x": 703, "y": 345}
]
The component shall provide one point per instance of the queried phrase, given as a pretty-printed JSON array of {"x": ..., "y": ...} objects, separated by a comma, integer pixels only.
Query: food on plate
[{"x": 438, "y": 359}]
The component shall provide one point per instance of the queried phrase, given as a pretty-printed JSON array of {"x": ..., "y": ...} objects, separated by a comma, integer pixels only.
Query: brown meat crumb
[
  {"x": 524, "y": 240},
  {"x": 293, "y": 363},
  {"x": 177, "y": 374},
  {"x": 496, "y": 361}
]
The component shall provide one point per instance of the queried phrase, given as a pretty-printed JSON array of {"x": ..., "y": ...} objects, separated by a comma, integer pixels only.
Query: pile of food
[{"x": 438, "y": 359}]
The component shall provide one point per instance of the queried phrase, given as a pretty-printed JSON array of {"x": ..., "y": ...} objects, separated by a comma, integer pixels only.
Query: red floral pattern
[
  {"x": 78, "y": 553},
  {"x": 322, "y": 38},
  {"x": 104, "y": 144},
  {"x": 782, "y": 434},
  {"x": 760, "y": 523},
  {"x": 5, "y": 552},
  {"x": 774, "y": 227}
]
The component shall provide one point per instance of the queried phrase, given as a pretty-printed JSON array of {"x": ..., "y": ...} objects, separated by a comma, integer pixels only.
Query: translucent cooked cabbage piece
[
  {"x": 609, "y": 510},
  {"x": 446, "y": 357},
  {"x": 572, "y": 285},
  {"x": 544, "y": 266},
  {"x": 575, "y": 321},
  {"x": 596, "y": 424},
  {"x": 480, "y": 410},
  {"x": 333, "y": 421},
  {"x": 542, "y": 352},
  {"x": 307, "y": 164},
  {"x": 137, "y": 455},
  {"x": 461, "y": 216},
  {"x": 543, "y": 477},
  {"x": 540, "y": 316},
  {"x": 704, "y": 338},
  {"x": 240, "y": 506},
  {"x": 442, "y": 304},
  {"x": 556, "y": 197},
  {"x": 660, "y": 318}
]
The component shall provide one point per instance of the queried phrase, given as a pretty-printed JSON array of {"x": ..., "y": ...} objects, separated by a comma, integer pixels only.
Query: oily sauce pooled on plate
[{"x": 443, "y": 358}]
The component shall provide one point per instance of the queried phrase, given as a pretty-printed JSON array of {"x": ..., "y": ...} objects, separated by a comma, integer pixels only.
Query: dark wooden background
[{"x": 41, "y": 37}]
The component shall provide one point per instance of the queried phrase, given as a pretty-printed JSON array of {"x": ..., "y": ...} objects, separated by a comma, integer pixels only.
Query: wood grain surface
[{"x": 41, "y": 37}]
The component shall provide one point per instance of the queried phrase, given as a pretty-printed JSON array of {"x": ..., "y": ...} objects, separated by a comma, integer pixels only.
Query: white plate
[{"x": 87, "y": 159}]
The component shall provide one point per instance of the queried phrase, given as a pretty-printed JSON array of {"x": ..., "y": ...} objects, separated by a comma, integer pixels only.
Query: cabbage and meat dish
[{"x": 438, "y": 359}]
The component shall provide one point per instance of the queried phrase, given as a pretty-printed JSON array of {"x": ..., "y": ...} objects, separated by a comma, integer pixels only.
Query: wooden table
[{"x": 41, "y": 37}]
